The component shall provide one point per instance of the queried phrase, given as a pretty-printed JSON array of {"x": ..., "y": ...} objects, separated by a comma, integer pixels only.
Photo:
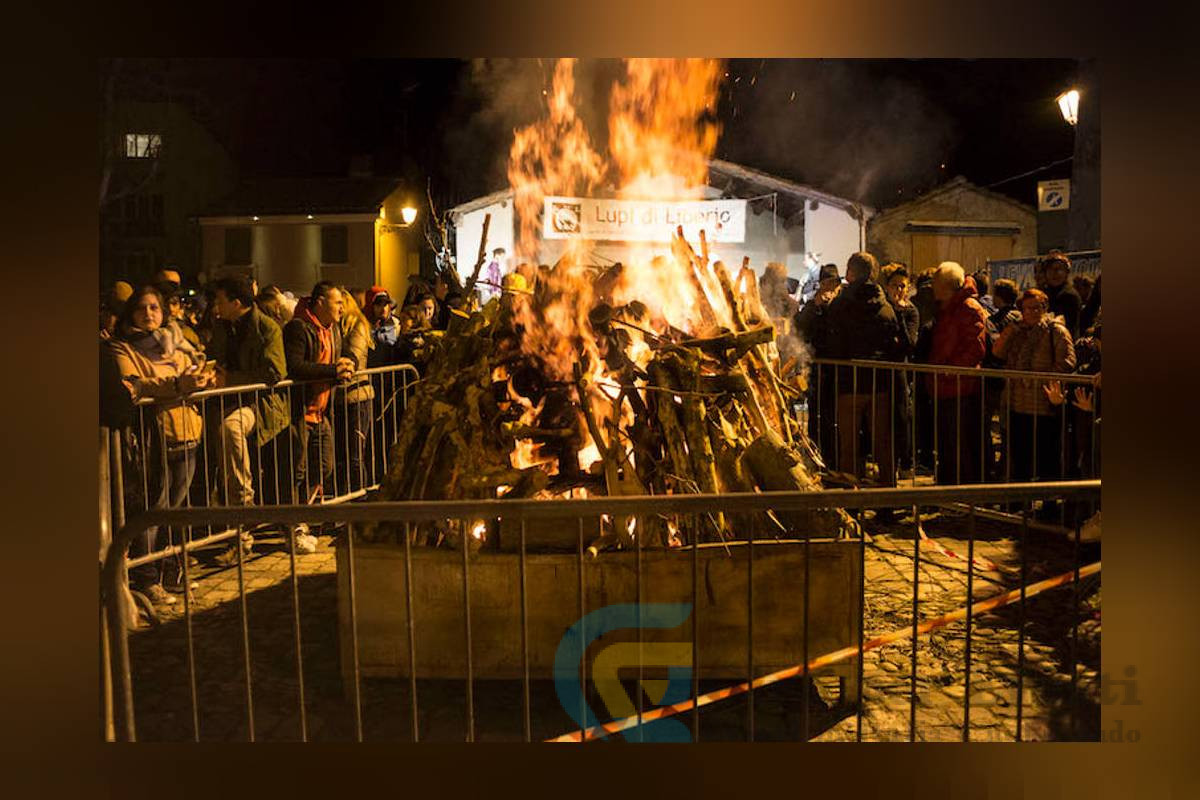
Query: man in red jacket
[{"x": 959, "y": 340}]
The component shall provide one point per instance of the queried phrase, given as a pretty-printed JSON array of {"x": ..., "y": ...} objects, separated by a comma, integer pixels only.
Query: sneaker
[{"x": 159, "y": 596}]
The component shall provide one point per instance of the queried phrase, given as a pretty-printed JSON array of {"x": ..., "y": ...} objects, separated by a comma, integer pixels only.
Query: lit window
[{"x": 142, "y": 145}]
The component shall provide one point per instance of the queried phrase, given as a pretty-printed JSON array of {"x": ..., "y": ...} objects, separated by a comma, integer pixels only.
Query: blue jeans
[
  {"x": 312, "y": 458},
  {"x": 169, "y": 484}
]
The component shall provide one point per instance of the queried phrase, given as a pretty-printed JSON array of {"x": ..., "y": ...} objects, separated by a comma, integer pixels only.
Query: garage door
[{"x": 971, "y": 251}]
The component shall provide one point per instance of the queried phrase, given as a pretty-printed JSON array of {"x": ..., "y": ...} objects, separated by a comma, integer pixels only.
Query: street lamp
[
  {"x": 1068, "y": 104},
  {"x": 408, "y": 214}
]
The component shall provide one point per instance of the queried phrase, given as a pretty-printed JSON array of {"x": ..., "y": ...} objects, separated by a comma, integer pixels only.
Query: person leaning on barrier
[
  {"x": 154, "y": 362},
  {"x": 812, "y": 324},
  {"x": 312, "y": 343},
  {"x": 864, "y": 326},
  {"x": 353, "y": 400},
  {"x": 1039, "y": 343},
  {"x": 959, "y": 339},
  {"x": 248, "y": 348}
]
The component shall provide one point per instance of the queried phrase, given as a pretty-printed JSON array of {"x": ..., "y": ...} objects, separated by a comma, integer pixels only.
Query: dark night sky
[{"x": 877, "y": 131}]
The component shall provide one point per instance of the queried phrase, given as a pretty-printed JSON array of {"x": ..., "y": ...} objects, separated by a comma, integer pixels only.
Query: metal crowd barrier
[
  {"x": 121, "y": 723},
  {"x": 889, "y": 412},
  {"x": 360, "y": 433}
]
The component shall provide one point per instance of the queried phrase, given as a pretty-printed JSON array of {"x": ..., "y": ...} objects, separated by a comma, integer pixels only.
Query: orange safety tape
[
  {"x": 980, "y": 562},
  {"x": 981, "y": 607}
]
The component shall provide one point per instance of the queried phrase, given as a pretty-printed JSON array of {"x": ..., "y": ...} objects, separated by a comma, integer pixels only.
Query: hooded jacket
[
  {"x": 312, "y": 350},
  {"x": 959, "y": 339},
  {"x": 862, "y": 325}
]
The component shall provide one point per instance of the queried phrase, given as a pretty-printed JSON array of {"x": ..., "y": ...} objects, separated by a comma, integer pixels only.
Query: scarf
[
  {"x": 317, "y": 396},
  {"x": 161, "y": 343}
]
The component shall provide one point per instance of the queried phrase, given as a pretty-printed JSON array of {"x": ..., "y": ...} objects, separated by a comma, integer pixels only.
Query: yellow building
[{"x": 296, "y": 232}]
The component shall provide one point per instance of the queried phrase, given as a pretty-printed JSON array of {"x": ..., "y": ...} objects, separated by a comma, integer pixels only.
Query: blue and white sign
[{"x": 1054, "y": 195}]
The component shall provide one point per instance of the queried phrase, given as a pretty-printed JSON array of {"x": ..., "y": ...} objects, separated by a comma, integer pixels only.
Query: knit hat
[
  {"x": 120, "y": 294},
  {"x": 375, "y": 293}
]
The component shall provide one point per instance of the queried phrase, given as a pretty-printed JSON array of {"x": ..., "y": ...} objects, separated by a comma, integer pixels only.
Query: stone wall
[{"x": 889, "y": 239}]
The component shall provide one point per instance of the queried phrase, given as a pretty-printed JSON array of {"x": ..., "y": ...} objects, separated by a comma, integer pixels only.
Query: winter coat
[
  {"x": 1065, "y": 302},
  {"x": 862, "y": 326},
  {"x": 152, "y": 372},
  {"x": 997, "y": 321},
  {"x": 1045, "y": 347},
  {"x": 260, "y": 359},
  {"x": 302, "y": 348},
  {"x": 909, "y": 317},
  {"x": 959, "y": 339},
  {"x": 812, "y": 324},
  {"x": 355, "y": 347},
  {"x": 386, "y": 334}
]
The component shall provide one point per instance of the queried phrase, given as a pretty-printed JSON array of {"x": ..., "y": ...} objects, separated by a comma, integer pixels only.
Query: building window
[
  {"x": 237, "y": 246},
  {"x": 142, "y": 145},
  {"x": 334, "y": 245}
]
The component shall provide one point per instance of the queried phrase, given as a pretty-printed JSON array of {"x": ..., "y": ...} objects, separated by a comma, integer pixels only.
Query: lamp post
[{"x": 1068, "y": 104}]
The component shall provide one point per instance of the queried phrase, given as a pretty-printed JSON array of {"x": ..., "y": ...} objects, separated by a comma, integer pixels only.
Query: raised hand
[
  {"x": 1084, "y": 400},
  {"x": 1054, "y": 393}
]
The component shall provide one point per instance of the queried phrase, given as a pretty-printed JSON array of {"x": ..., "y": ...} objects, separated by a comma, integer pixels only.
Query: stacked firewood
[{"x": 650, "y": 409}]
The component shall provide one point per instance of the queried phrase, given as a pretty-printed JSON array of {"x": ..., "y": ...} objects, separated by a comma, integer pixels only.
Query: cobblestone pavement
[{"x": 159, "y": 656}]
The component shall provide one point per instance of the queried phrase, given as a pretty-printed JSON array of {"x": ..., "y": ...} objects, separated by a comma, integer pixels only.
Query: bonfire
[{"x": 657, "y": 375}]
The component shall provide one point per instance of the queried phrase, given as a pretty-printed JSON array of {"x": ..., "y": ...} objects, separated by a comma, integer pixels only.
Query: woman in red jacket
[{"x": 959, "y": 339}]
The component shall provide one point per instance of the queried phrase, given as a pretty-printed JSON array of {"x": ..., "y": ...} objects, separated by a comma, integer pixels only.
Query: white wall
[
  {"x": 828, "y": 230},
  {"x": 469, "y": 228},
  {"x": 832, "y": 233},
  {"x": 288, "y": 254}
]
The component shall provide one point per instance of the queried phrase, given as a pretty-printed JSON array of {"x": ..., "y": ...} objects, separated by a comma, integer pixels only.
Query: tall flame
[{"x": 661, "y": 137}]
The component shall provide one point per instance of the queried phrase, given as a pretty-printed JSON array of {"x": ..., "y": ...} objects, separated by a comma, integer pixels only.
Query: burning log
[{"x": 620, "y": 400}]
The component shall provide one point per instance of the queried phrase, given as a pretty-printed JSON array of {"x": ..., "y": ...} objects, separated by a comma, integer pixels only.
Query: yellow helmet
[{"x": 515, "y": 282}]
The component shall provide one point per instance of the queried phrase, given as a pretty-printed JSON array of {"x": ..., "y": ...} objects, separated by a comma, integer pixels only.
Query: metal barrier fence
[
  {"x": 225, "y": 462},
  {"x": 953, "y": 425},
  {"x": 757, "y": 612}
]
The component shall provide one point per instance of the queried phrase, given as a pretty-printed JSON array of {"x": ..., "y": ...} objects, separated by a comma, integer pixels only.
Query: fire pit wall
[{"x": 552, "y": 582}]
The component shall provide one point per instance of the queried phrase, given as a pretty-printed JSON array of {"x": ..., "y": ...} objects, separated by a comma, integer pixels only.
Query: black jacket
[
  {"x": 1065, "y": 302},
  {"x": 302, "y": 348},
  {"x": 997, "y": 321},
  {"x": 863, "y": 326},
  {"x": 909, "y": 319},
  {"x": 812, "y": 323}
]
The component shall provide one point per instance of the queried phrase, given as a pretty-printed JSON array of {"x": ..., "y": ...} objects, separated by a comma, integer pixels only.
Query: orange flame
[{"x": 661, "y": 136}]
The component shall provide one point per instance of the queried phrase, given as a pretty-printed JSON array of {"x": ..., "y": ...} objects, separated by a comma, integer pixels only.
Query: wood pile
[{"x": 637, "y": 408}]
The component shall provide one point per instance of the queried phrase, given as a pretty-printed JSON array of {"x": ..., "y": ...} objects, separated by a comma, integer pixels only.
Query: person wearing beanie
[{"x": 385, "y": 328}]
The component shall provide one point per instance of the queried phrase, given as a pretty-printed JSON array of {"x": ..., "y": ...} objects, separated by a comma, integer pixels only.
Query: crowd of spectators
[
  {"x": 287, "y": 444},
  {"x": 967, "y": 429},
  {"x": 299, "y": 442}
]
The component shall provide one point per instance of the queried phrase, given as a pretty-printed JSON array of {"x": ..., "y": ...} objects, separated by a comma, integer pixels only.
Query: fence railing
[
  {"x": 214, "y": 453},
  {"x": 465, "y": 515},
  {"x": 887, "y": 424}
]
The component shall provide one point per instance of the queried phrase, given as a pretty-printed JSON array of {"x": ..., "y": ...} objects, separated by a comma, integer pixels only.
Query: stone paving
[{"x": 159, "y": 656}]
